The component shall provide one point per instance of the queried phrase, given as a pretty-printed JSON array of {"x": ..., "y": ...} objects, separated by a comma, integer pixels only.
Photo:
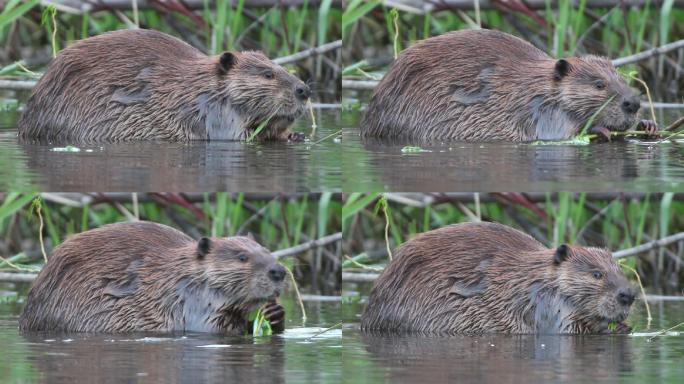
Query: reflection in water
[
  {"x": 460, "y": 166},
  {"x": 195, "y": 166},
  {"x": 298, "y": 355},
  {"x": 518, "y": 358},
  {"x": 161, "y": 360},
  {"x": 499, "y": 358}
]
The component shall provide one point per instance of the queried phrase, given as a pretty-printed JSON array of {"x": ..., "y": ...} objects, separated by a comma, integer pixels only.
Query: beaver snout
[
  {"x": 302, "y": 92},
  {"x": 276, "y": 273},
  {"x": 631, "y": 105},
  {"x": 625, "y": 297}
]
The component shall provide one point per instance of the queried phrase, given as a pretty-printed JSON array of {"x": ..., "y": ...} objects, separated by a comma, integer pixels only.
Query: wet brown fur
[
  {"x": 487, "y": 277},
  {"x": 146, "y": 85},
  {"x": 145, "y": 276},
  {"x": 486, "y": 85}
]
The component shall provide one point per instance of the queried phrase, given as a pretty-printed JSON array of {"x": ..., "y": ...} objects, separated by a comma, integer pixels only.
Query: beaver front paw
[
  {"x": 275, "y": 314},
  {"x": 602, "y": 132},
  {"x": 296, "y": 137},
  {"x": 621, "y": 329},
  {"x": 649, "y": 126}
]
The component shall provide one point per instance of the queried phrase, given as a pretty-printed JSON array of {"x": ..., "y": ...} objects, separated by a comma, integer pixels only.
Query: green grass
[
  {"x": 615, "y": 223},
  {"x": 276, "y": 31},
  {"x": 570, "y": 30},
  {"x": 277, "y": 222}
]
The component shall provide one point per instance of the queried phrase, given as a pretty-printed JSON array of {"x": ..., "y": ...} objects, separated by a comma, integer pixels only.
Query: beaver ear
[
  {"x": 203, "y": 247},
  {"x": 561, "y": 69},
  {"x": 250, "y": 236},
  {"x": 226, "y": 62},
  {"x": 561, "y": 254}
]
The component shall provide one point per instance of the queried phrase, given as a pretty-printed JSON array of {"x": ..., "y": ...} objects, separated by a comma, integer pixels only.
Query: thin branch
[
  {"x": 649, "y": 246},
  {"x": 359, "y": 277},
  {"x": 17, "y": 85},
  {"x": 325, "y": 240},
  {"x": 657, "y": 51},
  {"x": 675, "y": 125},
  {"x": 80, "y": 6},
  {"x": 359, "y": 84},
  {"x": 13, "y": 277},
  {"x": 305, "y": 54}
]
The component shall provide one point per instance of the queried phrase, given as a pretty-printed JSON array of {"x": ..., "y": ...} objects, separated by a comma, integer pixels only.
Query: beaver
[
  {"x": 486, "y": 85},
  {"x": 146, "y": 85},
  {"x": 145, "y": 276},
  {"x": 490, "y": 278}
]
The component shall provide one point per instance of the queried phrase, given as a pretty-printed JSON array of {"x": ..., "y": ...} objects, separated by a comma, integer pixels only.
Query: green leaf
[
  {"x": 11, "y": 14},
  {"x": 353, "y": 12}
]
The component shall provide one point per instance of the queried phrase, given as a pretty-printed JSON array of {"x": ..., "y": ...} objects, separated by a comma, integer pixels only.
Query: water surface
[
  {"x": 519, "y": 358},
  {"x": 300, "y": 354},
  {"x": 162, "y": 166},
  {"x": 635, "y": 165}
]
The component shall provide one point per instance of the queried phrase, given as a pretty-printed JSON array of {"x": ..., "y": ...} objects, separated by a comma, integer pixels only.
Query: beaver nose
[
  {"x": 277, "y": 273},
  {"x": 625, "y": 297},
  {"x": 302, "y": 92},
  {"x": 631, "y": 105}
]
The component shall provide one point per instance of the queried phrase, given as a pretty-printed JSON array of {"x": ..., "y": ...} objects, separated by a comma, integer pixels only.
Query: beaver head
[
  {"x": 262, "y": 90},
  {"x": 593, "y": 284},
  {"x": 587, "y": 83},
  {"x": 240, "y": 268}
]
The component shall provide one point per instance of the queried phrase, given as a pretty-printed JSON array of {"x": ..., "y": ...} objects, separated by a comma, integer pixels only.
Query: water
[
  {"x": 638, "y": 166},
  {"x": 298, "y": 355},
  {"x": 518, "y": 358},
  {"x": 162, "y": 166}
]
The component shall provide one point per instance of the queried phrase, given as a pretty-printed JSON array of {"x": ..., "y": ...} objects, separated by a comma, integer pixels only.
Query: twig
[
  {"x": 664, "y": 105},
  {"x": 17, "y": 277},
  {"x": 255, "y": 216},
  {"x": 649, "y": 318},
  {"x": 356, "y": 277},
  {"x": 18, "y": 85},
  {"x": 299, "y": 297},
  {"x": 598, "y": 215},
  {"x": 664, "y": 332},
  {"x": 648, "y": 94},
  {"x": 679, "y": 44},
  {"x": 327, "y": 137},
  {"x": 40, "y": 231},
  {"x": 305, "y": 54},
  {"x": 387, "y": 225},
  {"x": 359, "y": 84},
  {"x": 325, "y": 240},
  {"x": 324, "y": 331},
  {"x": 649, "y": 246},
  {"x": 313, "y": 118},
  {"x": 675, "y": 125},
  {"x": 108, "y": 5},
  {"x": 18, "y": 268},
  {"x": 363, "y": 266}
]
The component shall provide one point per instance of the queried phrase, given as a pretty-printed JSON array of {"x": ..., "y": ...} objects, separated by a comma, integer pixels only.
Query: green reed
[
  {"x": 276, "y": 221},
  {"x": 612, "y": 221}
]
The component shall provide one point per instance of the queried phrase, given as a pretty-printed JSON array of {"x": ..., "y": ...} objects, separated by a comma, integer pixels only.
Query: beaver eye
[
  {"x": 599, "y": 84},
  {"x": 243, "y": 258},
  {"x": 268, "y": 74},
  {"x": 598, "y": 275}
]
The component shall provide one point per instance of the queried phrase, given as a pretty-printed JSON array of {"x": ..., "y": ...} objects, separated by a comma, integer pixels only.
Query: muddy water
[
  {"x": 301, "y": 354},
  {"x": 377, "y": 165},
  {"x": 529, "y": 359},
  {"x": 157, "y": 166}
]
